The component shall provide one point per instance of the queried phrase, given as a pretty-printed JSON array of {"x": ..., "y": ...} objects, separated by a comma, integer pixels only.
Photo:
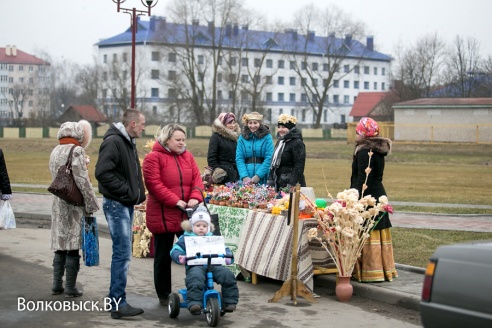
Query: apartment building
[
  {"x": 236, "y": 68},
  {"x": 24, "y": 81}
]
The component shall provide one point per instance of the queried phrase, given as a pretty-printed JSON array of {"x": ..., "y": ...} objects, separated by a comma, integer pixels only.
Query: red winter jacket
[{"x": 169, "y": 178}]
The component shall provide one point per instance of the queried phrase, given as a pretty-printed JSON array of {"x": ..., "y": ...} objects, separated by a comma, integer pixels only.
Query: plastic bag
[
  {"x": 7, "y": 217},
  {"x": 90, "y": 241}
]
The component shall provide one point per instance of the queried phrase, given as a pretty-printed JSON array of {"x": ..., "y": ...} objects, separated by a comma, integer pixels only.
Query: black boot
[
  {"x": 72, "y": 266},
  {"x": 58, "y": 271}
]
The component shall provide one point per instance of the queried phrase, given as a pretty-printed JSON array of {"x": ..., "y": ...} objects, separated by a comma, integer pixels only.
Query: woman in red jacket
[{"x": 170, "y": 175}]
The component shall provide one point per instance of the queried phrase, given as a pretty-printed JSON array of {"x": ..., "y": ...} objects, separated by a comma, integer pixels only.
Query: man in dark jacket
[{"x": 120, "y": 181}]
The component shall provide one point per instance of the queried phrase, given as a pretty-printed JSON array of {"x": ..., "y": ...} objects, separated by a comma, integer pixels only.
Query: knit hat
[
  {"x": 253, "y": 116},
  {"x": 367, "y": 127},
  {"x": 227, "y": 118},
  {"x": 200, "y": 214},
  {"x": 287, "y": 120}
]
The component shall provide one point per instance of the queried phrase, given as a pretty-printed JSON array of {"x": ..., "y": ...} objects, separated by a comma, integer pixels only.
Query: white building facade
[{"x": 281, "y": 78}]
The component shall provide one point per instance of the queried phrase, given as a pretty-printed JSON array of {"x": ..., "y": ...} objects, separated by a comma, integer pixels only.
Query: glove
[
  {"x": 256, "y": 179},
  {"x": 181, "y": 259},
  {"x": 6, "y": 196},
  {"x": 228, "y": 261},
  {"x": 246, "y": 179}
]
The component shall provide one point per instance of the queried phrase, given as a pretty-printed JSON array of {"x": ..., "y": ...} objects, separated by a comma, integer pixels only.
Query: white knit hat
[{"x": 200, "y": 214}]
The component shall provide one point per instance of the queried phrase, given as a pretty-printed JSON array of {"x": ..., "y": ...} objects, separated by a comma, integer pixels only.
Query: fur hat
[
  {"x": 287, "y": 120},
  {"x": 253, "y": 116},
  {"x": 367, "y": 127}
]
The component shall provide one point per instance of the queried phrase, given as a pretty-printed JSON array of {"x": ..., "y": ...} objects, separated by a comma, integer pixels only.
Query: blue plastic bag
[{"x": 90, "y": 241}]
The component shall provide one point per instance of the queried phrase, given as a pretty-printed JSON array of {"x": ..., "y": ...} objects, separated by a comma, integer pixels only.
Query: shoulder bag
[{"x": 64, "y": 187}]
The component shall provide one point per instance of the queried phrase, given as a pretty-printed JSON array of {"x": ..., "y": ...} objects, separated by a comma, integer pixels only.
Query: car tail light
[{"x": 429, "y": 276}]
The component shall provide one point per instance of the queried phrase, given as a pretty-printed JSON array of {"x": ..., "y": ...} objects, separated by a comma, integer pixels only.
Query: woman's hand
[
  {"x": 192, "y": 203},
  {"x": 181, "y": 204}
]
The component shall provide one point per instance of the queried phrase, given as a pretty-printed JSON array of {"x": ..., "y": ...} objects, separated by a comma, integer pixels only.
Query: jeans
[{"x": 120, "y": 222}]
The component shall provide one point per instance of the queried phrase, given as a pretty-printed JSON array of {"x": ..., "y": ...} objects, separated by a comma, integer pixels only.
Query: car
[{"x": 457, "y": 289}]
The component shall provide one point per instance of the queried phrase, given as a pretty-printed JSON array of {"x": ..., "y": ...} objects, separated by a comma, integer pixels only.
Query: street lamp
[{"x": 133, "y": 15}]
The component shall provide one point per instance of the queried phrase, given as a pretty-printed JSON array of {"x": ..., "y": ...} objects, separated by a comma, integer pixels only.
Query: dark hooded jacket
[
  {"x": 4, "y": 176},
  {"x": 118, "y": 167},
  {"x": 292, "y": 161},
  {"x": 222, "y": 150},
  {"x": 380, "y": 148}
]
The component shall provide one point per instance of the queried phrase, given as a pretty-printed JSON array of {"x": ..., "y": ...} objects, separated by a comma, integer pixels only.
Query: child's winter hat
[{"x": 200, "y": 214}]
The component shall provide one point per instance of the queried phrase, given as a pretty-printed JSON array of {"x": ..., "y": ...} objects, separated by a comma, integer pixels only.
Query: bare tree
[
  {"x": 318, "y": 78},
  {"x": 463, "y": 65},
  {"x": 419, "y": 67}
]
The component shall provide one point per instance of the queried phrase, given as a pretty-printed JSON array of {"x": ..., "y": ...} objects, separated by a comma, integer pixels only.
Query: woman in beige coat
[{"x": 66, "y": 219}]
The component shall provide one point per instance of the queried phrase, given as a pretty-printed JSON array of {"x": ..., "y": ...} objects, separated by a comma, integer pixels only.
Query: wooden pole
[{"x": 293, "y": 286}]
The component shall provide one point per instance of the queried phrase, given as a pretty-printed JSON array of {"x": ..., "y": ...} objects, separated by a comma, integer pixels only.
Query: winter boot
[
  {"x": 58, "y": 271},
  {"x": 72, "y": 266}
]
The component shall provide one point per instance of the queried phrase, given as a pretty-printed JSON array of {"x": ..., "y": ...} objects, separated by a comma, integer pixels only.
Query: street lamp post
[{"x": 133, "y": 15}]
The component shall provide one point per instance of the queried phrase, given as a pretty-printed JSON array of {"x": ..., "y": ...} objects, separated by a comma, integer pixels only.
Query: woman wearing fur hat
[
  {"x": 254, "y": 150},
  {"x": 222, "y": 149},
  {"x": 376, "y": 262},
  {"x": 66, "y": 237},
  {"x": 289, "y": 158},
  {"x": 196, "y": 276}
]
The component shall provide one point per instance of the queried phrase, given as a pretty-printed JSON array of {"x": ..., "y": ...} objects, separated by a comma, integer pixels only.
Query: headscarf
[
  {"x": 227, "y": 118},
  {"x": 367, "y": 127},
  {"x": 287, "y": 120}
]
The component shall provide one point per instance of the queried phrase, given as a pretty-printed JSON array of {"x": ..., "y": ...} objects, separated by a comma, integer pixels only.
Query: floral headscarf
[{"x": 367, "y": 127}]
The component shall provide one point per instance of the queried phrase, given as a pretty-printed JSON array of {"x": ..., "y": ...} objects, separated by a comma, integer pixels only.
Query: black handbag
[{"x": 64, "y": 187}]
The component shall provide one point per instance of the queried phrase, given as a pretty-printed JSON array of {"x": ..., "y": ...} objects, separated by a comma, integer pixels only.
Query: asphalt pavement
[{"x": 404, "y": 291}]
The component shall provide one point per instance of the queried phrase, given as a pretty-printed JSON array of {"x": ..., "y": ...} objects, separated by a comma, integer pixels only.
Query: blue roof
[{"x": 158, "y": 31}]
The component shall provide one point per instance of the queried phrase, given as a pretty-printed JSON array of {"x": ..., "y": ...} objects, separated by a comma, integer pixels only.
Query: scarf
[
  {"x": 69, "y": 140},
  {"x": 277, "y": 156}
]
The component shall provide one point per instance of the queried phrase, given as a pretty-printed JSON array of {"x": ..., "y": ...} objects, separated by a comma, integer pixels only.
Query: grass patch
[{"x": 415, "y": 246}]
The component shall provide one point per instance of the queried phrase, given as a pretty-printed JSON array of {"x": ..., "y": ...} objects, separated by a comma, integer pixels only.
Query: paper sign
[{"x": 205, "y": 245}]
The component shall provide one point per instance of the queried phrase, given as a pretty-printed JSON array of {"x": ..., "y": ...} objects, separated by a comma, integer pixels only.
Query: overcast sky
[{"x": 68, "y": 29}]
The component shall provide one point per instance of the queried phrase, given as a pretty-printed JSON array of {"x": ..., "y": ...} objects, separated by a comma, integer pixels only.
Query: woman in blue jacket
[{"x": 254, "y": 150}]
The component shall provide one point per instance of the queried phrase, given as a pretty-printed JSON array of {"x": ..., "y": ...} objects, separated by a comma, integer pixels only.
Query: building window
[
  {"x": 383, "y": 71},
  {"x": 257, "y": 79},
  {"x": 346, "y": 68},
  {"x": 292, "y": 97},
  {"x": 292, "y": 80},
  {"x": 315, "y": 66},
  {"x": 154, "y": 56},
  {"x": 280, "y": 97},
  {"x": 201, "y": 60},
  {"x": 366, "y": 69},
  {"x": 375, "y": 71},
  {"x": 366, "y": 85},
  {"x": 200, "y": 77},
  {"x": 269, "y": 96},
  {"x": 171, "y": 93},
  {"x": 336, "y": 99},
  {"x": 115, "y": 58},
  {"x": 232, "y": 78},
  {"x": 326, "y": 67},
  {"x": 21, "y": 80},
  {"x": 303, "y": 81},
  {"x": 21, "y": 68},
  {"x": 105, "y": 76},
  {"x": 233, "y": 61},
  {"x": 219, "y": 77},
  {"x": 268, "y": 79},
  {"x": 125, "y": 57},
  {"x": 281, "y": 64},
  {"x": 346, "y": 84},
  {"x": 356, "y": 84},
  {"x": 105, "y": 59},
  {"x": 315, "y": 82},
  {"x": 154, "y": 74},
  {"x": 219, "y": 60},
  {"x": 258, "y": 62},
  {"x": 219, "y": 94},
  {"x": 172, "y": 57},
  {"x": 31, "y": 68},
  {"x": 345, "y": 99},
  {"x": 232, "y": 95},
  {"x": 303, "y": 115},
  {"x": 281, "y": 80},
  {"x": 303, "y": 66},
  {"x": 244, "y": 78},
  {"x": 375, "y": 85},
  {"x": 383, "y": 86},
  {"x": 154, "y": 92},
  {"x": 303, "y": 97},
  {"x": 292, "y": 64},
  {"x": 356, "y": 69},
  {"x": 335, "y": 83},
  {"x": 244, "y": 62}
]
